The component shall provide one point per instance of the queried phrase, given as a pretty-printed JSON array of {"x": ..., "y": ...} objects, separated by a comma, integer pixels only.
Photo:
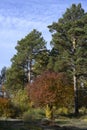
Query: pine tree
[
  {"x": 29, "y": 61},
  {"x": 69, "y": 37}
]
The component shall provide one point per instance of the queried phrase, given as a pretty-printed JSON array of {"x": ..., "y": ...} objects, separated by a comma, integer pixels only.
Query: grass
[
  {"x": 79, "y": 122},
  {"x": 33, "y": 121},
  {"x": 60, "y": 123},
  {"x": 18, "y": 125}
]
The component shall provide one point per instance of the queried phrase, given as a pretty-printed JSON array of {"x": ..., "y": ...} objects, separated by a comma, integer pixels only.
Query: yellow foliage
[
  {"x": 63, "y": 110},
  {"x": 49, "y": 112}
]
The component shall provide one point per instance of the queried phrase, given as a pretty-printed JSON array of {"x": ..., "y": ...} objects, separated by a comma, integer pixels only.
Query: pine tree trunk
[
  {"x": 75, "y": 81},
  {"x": 76, "y": 95},
  {"x": 29, "y": 71}
]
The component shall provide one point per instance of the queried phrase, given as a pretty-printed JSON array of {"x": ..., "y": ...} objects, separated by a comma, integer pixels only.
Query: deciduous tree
[{"x": 50, "y": 89}]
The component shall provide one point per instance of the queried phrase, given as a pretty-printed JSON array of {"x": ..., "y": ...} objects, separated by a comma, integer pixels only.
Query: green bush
[
  {"x": 16, "y": 106},
  {"x": 62, "y": 111},
  {"x": 21, "y": 100},
  {"x": 83, "y": 110},
  {"x": 33, "y": 114}
]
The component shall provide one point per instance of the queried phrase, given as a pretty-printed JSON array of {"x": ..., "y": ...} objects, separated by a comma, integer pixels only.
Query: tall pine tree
[
  {"x": 29, "y": 61},
  {"x": 69, "y": 38}
]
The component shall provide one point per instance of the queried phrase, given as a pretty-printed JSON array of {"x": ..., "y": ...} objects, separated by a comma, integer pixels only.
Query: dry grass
[{"x": 79, "y": 122}]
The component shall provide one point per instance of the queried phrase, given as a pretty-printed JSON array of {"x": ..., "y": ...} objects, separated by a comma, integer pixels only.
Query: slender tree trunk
[
  {"x": 29, "y": 76},
  {"x": 29, "y": 66},
  {"x": 75, "y": 95},
  {"x": 29, "y": 72},
  {"x": 75, "y": 81}
]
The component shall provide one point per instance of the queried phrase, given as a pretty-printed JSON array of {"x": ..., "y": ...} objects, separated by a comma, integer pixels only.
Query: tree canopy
[
  {"x": 68, "y": 58},
  {"x": 29, "y": 61},
  {"x": 69, "y": 38}
]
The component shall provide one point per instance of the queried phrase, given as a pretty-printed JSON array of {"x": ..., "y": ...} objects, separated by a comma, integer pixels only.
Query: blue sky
[{"x": 20, "y": 17}]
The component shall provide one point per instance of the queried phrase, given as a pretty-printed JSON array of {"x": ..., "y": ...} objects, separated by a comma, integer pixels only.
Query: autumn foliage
[
  {"x": 51, "y": 88},
  {"x": 4, "y": 107}
]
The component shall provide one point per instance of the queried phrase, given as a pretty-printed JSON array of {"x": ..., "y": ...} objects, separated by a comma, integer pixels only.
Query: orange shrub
[
  {"x": 6, "y": 108},
  {"x": 51, "y": 88}
]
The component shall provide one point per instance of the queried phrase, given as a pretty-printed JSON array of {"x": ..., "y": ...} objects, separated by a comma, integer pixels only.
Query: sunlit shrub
[
  {"x": 8, "y": 109},
  {"x": 83, "y": 110},
  {"x": 21, "y": 100},
  {"x": 62, "y": 111},
  {"x": 49, "y": 112},
  {"x": 5, "y": 107},
  {"x": 32, "y": 114}
]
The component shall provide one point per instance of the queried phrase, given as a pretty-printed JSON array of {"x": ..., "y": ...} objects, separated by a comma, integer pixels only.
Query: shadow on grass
[
  {"x": 34, "y": 125},
  {"x": 19, "y": 125},
  {"x": 72, "y": 115}
]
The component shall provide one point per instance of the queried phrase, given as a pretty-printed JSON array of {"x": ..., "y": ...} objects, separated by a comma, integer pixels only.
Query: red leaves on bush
[{"x": 50, "y": 88}]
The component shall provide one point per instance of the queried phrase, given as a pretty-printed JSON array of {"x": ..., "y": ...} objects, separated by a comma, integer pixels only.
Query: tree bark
[
  {"x": 75, "y": 81},
  {"x": 29, "y": 72},
  {"x": 75, "y": 95}
]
